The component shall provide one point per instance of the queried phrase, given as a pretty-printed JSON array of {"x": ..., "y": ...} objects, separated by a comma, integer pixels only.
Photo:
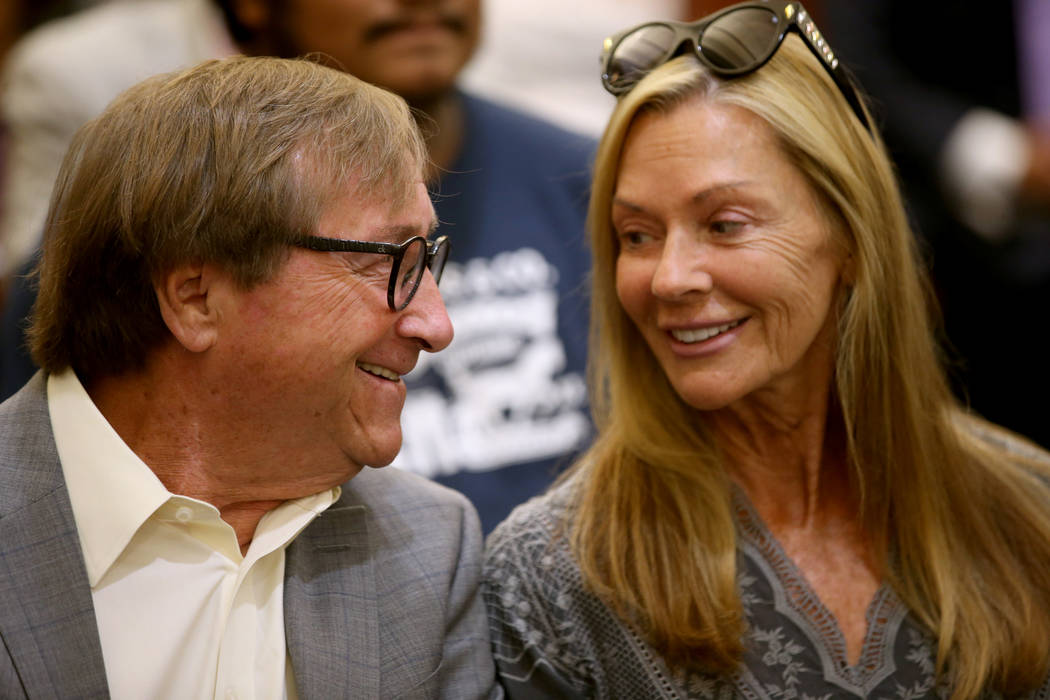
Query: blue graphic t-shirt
[{"x": 503, "y": 409}]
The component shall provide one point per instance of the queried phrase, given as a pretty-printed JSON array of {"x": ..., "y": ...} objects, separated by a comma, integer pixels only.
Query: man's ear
[{"x": 187, "y": 299}]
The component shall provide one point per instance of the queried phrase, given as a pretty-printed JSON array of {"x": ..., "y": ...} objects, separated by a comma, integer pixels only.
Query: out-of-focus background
[{"x": 962, "y": 94}]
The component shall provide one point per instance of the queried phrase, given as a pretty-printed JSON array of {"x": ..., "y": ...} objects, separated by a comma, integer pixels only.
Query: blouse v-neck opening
[{"x": 882, "y": 613}]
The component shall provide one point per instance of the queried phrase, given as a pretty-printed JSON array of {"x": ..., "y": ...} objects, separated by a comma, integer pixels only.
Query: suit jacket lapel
[
  {"x": 330, "y": 606},
  {"x": 47, "y": 619}
]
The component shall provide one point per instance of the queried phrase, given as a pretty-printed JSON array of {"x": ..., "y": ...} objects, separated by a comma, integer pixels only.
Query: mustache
[{"x": 384, "y": 28}]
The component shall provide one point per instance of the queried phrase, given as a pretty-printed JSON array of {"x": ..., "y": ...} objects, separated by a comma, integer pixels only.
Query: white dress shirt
[{"x": 181, "y": 613}]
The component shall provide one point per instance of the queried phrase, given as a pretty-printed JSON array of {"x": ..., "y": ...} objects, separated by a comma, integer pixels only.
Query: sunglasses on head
[{"x": 731, "y": 42}]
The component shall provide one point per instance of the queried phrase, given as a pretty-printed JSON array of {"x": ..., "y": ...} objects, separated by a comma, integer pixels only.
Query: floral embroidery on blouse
[{"x": 554, "y": 639}]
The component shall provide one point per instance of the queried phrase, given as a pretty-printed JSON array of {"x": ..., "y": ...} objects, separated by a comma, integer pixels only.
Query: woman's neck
[{"x": 789, "y": 458}]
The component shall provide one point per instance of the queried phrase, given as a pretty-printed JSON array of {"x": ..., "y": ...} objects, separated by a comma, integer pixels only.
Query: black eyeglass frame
[
  {"x": 436, "y": 257},
  {"x": 796, "y": 19}
]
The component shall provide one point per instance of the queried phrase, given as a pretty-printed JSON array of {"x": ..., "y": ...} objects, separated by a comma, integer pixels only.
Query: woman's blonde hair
[{"x": 961, "y": 524}]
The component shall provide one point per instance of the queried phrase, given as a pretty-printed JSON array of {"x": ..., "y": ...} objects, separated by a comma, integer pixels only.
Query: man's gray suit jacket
[{"x": 380, "y": 593}]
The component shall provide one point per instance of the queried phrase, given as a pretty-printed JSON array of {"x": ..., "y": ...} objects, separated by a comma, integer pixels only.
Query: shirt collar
[{"x": 111, "y": 490}]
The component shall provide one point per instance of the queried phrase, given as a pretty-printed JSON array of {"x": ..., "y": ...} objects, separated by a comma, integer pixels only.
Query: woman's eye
[
  {"x": 724, "y": 226},
  {"x": 634, "y": 238}
]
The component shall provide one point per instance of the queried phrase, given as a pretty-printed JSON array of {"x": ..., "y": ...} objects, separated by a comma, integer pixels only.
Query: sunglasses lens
[
  {"x": 637, "y": 54},
  {"x": 740, "y": 40}
]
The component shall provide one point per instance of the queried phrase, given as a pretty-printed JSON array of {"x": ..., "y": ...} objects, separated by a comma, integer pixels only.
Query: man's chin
[
  {"x": 379, "y": 464},
  {"x": 423, "y": 87},
  {"x": 382, "y": 452}
]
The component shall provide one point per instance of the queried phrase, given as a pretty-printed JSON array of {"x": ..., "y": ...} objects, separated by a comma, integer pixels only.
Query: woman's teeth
[{"x": 695, "y": 336}]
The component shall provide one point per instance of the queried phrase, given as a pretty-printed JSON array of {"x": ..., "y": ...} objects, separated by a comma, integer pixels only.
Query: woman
[{"x": 784, "y": 499}]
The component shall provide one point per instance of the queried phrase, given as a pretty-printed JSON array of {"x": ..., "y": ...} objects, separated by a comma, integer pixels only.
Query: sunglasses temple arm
[{"x": 848, "y": 87}]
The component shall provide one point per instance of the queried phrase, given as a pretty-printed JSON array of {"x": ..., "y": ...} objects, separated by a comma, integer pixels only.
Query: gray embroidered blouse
[{"x": 553, "y": 639}]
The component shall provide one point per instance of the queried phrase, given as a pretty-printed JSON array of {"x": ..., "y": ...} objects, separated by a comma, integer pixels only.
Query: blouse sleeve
[{"x": 530, "y": 588}]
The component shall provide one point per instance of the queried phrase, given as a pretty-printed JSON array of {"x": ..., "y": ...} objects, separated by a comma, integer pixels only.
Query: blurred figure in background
[
  {"x": 964, "y": 98},
  {"x": 501, "y": 410},
  {"x": 539, "y": 56},
  {"x": 64, "y": 73},
  {"x": 19, "y": 16},
  {"x": 16, "y": 18}
]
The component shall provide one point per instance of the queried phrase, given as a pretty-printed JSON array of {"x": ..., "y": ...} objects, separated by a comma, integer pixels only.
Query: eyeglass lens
[
  {"x": 413, "y": 261},
  {"x": 437, "y": 264}
]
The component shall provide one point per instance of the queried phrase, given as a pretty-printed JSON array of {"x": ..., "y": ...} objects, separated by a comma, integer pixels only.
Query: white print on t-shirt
[{"x": 509, "y": 399}]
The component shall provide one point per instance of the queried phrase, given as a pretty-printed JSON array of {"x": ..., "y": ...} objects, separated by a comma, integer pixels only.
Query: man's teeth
[
  {"x": 379, "y": 371},
  {"x": 695, "y": 336}
]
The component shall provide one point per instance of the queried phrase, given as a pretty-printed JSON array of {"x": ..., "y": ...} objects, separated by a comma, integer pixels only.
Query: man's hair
[
  {"x": 963, "y": 520},
  {"x": 223, "y": 163}
]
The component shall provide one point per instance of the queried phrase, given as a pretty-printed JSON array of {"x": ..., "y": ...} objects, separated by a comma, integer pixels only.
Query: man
[
  {"x": 231, "y": 287},
  {"x": 504, "y": 408}
]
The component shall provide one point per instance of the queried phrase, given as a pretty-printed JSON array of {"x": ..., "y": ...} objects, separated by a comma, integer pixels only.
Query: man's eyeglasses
[
  {"x": 409, "y": 259},
  {"x": 731, "y": 42}
]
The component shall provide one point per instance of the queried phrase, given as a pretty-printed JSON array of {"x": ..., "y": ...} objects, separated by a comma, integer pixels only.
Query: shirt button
[{"x": 184, "y": 514}]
